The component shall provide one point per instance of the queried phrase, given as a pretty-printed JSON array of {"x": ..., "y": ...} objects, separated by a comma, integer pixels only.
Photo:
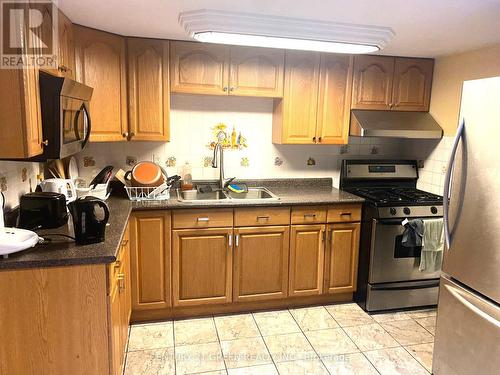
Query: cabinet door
[
  {"x": 149, "y": 91},
  {"x": 150, "y": 260},
  {"x": 307, "y": 251},
  {"x": 115, "y": 330},
  {"x": 261, "y": 263},
  {"x": 412, "y": 84},
  {"x": 125, "y": 291},
  {"x": 199, "y": 68},
  {"x": 294, "y": 118},
  {"x": 334, "y": 104},
  {"x": 256, "y": 72},
  {"x": 341, "y": 258},
  {"x": 100, "y": 63},
  {"x": 202, "y": 266},
  {"x": 66, "y": 56},
  {"x": 45, "y": 32},
  {"x": 372, "y": 82}
]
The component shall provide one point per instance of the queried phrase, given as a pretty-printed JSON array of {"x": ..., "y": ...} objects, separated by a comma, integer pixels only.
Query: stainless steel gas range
[{"x": 389, "y": 275}]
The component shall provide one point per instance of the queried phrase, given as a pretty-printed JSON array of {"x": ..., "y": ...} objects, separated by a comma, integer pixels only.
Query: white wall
[
  {"x": 14, "y": 187},
  {"x": 192, "y": 118}
]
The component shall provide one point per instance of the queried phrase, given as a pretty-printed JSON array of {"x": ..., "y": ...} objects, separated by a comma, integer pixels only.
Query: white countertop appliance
[{"x": 468, "y": 318}]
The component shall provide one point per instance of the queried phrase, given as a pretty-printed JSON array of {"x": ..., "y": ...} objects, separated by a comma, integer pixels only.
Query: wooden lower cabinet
[
  {"x": 202, "y": 266},
  {"x": 151, "y": 260},
  {"x": 260, "y": 263},
  {"x": 341, "y": 258},
  {"x": 307, "y": 250}
]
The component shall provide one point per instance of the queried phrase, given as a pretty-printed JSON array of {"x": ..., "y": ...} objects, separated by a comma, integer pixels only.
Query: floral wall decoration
[{"x": 233, "y": 141}]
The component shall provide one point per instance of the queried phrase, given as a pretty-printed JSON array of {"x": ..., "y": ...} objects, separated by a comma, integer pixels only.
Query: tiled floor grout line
[
  {"x": 265, "y": 344},
  {"x": 421, "y": 365},
  {"x": 313, "y": 348},
  {"x": 343, "y": 330},
  {"x": 220, "y": 345},
  {"x": 175, "y": 351}
]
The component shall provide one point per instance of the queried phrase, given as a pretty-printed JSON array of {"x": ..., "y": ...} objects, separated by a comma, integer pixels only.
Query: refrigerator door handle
[
  {"x": 447, "y": 184},
  {"x": 469, "y": 303}
]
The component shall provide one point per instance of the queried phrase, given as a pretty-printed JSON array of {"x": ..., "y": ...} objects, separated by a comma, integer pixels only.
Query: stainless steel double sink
[{"x": 258, "y": 194}]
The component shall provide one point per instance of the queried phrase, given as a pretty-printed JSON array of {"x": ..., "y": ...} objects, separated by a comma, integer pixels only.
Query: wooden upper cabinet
[
  {"x": 260, "y": 263},
  {"x": 66, "y": 55},
  {"x": 101, "y": 64},
  {"x": 150, "y": 260},
  {"x": 341, "y": 258},
  {"x": 334, "y": 99},
  {"x": 372, "y": 82},
  {"x": 199, "y": 68},
  {"x": 294, "y": 117},
  {"x": 148, "y": 88},
  {"x": 256, "y": 71},
  {"x": 202, "y": 266},
  {"x": 307, "y": 250},
  {"x": 412, "y": 84}
]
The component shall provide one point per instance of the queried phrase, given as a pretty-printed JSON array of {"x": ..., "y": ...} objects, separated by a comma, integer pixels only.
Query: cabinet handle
[
  {"x": 124, "y": 242},
  {"x": 237, "y": 240},
  {"x": 132, "y": 134},
  {"x": 125, "y": 135},
  {"x": 262, "y": 218},
  {"x": 323, "y": 235},
  {"x": 118, "y": 264},
  {"x": 319, "y": 139},
  {"x": 231, "y": 88},
  {"x": 121, "y": 282},
  {"x": 345, "y": 214},
  {"x": 310, "y": 215},
  {"x": 314, "y": 139},
  {"x": 230, "y": 240},
  {"x": 203, "y": 219},
  {"x": 46, "y": 142},
  {"x": 225, "y": 88}
]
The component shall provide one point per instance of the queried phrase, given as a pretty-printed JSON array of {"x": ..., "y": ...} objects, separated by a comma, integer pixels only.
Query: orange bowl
[{"x": 147, "y": 174}]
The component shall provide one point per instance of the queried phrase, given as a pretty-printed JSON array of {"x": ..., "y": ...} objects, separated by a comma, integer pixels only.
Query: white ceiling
[{"x": 425, "y": 28}]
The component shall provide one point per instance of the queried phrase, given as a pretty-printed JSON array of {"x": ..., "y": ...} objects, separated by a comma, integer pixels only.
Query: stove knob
[
  {"x": 406, "y": 211},
  {"x": 392, "y": 210},
  {"x": 434, "y": 210}
]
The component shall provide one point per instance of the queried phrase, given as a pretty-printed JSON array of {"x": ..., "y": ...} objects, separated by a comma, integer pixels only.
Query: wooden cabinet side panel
[
  {"x": 62, "y": 314},
  {"x": 150, "y": 260},
  {"x": 261, "y": 263},
  {"x": 412, "y": 84},
  {"x": 300, "y": 97},
  {"x": 256, "y": 72},
  {"x": 101, "y": 64},
  {"x": 149, "y": 90},
  {"x": 66, "y": 56},
  {"x": 202, "y": 266},
  {"x": 307, "y": 249},
  {"x": 372, "y": 82},
  {"x": 334, "y": 102},
  {"x": 341, "y": 267}
]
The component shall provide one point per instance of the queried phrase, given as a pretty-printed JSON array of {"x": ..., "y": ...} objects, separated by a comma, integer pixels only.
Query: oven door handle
[
  {"x": 388, "y": 221},
  {"x": 447, "y": 184}
]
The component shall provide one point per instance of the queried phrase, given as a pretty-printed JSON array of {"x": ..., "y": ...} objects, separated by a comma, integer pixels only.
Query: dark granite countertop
[{"x": 62, "y": 251}]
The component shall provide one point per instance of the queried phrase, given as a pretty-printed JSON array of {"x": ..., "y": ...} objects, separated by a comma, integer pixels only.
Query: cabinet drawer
[
  {"x": 308, "y": 215},
  {"x": 250, "y": 217},
  {"x": 344, "y": 213},
  {"x": 213, "y": 218}
]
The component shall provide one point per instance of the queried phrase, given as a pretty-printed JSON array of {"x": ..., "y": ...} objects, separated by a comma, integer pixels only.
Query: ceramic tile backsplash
[
  {"x": 192, "y": 120},
  {"x": 435, "y": 155},
  {"x": 11, "y": 180}
]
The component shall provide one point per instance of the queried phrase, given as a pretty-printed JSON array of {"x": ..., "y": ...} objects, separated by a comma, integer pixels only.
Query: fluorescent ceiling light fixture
[{"x": 256, "y": 30}]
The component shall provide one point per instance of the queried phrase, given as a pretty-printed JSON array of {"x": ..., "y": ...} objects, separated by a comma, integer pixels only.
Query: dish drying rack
[{"x": 159, "y": 193}]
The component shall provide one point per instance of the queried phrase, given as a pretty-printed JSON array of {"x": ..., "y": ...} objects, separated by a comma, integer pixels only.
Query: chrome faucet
[{"x": 218, "y": 149}]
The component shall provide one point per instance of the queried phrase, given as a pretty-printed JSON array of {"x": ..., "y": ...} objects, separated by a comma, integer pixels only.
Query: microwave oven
[{"x": 65, "y": 113}]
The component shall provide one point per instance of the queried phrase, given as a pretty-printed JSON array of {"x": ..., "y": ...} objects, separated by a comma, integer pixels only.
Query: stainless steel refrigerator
[{"x": 468, "y": 319}]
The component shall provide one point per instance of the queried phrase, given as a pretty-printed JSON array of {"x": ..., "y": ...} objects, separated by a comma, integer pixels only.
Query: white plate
[
  {"x": 13, "y": 240},
  {"x": 73, "y": 172}
]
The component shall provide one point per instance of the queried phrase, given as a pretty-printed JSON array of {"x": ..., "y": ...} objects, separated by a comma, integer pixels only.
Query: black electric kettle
[{"x": 88, "y": 227}]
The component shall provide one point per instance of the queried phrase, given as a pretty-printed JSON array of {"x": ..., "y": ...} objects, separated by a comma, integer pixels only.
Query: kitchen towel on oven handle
[
  {"x": 431, "y": 257},
  {"x": 413, "y": 234}
]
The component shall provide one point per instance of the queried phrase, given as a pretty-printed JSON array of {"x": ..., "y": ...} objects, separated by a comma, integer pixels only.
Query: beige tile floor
[{"x": 336, "y": 339}]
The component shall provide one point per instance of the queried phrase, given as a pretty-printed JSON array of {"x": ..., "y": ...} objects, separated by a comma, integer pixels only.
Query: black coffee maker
[{"x": 88, "y": 227}]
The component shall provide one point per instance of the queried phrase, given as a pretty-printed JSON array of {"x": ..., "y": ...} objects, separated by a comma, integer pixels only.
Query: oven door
[
  {"x": 390, "y": 261},
  {"x": 75, "y": 126}
]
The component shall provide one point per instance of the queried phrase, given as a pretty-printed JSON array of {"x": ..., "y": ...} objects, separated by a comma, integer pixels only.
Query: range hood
[{"x": 367, "y": 123}]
